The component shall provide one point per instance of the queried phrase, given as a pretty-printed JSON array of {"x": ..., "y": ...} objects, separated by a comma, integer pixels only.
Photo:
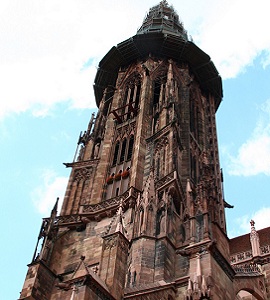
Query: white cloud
[
  {"x": 50, "y": 51},
  {"x": 253, "y": 156},
  {"x": 45, "y": 195},
  {"x": 234, "y": 35},
  {"x": 261, "y": 218}
]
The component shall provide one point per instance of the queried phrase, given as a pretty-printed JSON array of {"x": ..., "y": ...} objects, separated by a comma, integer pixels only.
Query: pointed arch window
[
  {"x": 130, "y": 100},
  {"x": 125, "y": 100},
  {"x": 157, "y": 88},
  {"x": 116, "y": 150},
  {"x": 123, "y": 150},
  {"x": 130, "y": 147},
  {"x": 159, "y": 91},
  {"x": 138, "y": 92}
]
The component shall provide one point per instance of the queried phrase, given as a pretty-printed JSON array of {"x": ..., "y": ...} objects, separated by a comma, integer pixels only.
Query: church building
[{"x": 143, "y": 215}]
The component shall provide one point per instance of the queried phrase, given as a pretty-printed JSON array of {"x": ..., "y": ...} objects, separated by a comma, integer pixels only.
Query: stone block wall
[{"x": 39, "y": 282}]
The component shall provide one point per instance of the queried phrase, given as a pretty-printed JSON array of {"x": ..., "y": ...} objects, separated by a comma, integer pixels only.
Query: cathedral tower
[{"x": 143, "y": 214}]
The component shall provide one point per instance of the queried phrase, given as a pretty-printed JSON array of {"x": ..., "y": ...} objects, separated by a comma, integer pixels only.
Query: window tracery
[
  {"x": 159, "y": 88},
  {"x": 117, "y": 180},
  {"x": 130, "y": 101},
  {"x": 161, "y": 158}
]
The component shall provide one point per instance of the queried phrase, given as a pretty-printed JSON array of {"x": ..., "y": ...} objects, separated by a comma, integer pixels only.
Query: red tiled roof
[{"x": 242, "y": 243}]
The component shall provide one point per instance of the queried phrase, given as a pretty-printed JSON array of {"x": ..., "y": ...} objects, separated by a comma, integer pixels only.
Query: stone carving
[
  {"x": 110, "y": 242},
  {"x": 83, "y": 173},
  {"x": 96, "y": 150},
  {"x": 166, "y": 179}
]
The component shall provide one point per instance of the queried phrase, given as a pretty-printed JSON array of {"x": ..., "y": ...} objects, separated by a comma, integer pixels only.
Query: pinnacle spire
[
  {"x": 54, "y": 210},
  {"x": 117, "y": 224},
  {"x": 254, "y": 240}
]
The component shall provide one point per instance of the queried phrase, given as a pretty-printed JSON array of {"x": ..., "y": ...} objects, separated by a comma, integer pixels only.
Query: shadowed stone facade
[{"x": 143, "y": 214}]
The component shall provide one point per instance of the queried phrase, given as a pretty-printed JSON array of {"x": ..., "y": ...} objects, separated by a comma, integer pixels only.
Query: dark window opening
[
  {"x": 158, "y": 167},
  {"x": 123, "y": 150},
  {"x": 126, "y": 96},
  {"x": 129, "y": 279},
  {"x": 130, "y": 147},
  {"x": 125, "y": 101},
  {"x": 116, "y": 150},
  {"x": 137, "y": 99},
  {"x": 131, "y": 94},
  {"x": 134, "y": 278},
  {"x": 157, "y": 88}
]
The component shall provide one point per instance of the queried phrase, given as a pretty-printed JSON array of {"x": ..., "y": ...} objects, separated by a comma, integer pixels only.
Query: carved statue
[
  {"x": 96, "y": 150},
  {"x": 162, "y": 222}
]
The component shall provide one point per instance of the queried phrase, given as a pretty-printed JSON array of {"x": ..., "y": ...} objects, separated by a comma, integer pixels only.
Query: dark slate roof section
[
  {"x": 160, "y": 45},
  {"x": 242, "y": 243}
]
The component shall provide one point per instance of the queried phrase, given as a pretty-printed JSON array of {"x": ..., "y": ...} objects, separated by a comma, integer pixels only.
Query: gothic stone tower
[{"x": 143, "y": 214}]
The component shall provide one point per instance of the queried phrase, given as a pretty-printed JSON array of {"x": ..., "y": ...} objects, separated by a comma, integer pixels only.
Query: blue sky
[{"x": 49, "y": 54}]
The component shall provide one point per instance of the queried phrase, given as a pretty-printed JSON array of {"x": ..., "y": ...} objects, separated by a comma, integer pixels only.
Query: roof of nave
[{"x": 242, "y": 243}]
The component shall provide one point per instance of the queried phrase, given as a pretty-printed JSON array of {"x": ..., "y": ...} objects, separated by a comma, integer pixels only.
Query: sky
[{"x": 50, "y": 51}]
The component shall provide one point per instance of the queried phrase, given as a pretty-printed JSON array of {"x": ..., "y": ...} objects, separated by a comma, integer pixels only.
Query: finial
[
  {"x": 164, "y": 2},
  {"x": 54, "y": 210},
  {"x": 254, "y": 240}
]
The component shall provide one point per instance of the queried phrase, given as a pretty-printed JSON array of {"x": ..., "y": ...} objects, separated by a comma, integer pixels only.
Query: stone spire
[
  {"x": 163, "y": 18},
  {"x": 254, "y": 240},
  {"x": 117, "y": 224}
]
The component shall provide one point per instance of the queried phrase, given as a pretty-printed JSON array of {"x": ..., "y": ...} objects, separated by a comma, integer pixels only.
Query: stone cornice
[
  {"x": 83, "y": 163},
  {"x": 105, "y": 206},
  {"x": 146, "y": 289}
]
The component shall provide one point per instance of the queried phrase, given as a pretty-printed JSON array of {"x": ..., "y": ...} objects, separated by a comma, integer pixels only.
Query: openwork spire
[{"x": 163, "y": 18}]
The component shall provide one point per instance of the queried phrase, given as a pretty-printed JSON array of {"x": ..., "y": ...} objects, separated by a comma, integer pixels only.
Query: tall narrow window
[
  {"x": 126, "y": 96},
  {"x": 131, "y": 94},
  {"x": 157, "y": 88},
  {"x": 116, "y": 150},
  {"x": 130, "y": 147},
  {"x": 138, "y": 92},
  {"x": 134, "y": 278},
  {"x": 128, "y": 108},
  {"x": 158, "y": 166},
  {"x": 125, "y": 102},
  {"x": 123, "y": 150}
]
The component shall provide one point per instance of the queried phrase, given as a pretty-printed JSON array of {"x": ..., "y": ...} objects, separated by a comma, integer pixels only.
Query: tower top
[
  {"x": 163, "y": 18},
  {"x": 161, "y": 35}
]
